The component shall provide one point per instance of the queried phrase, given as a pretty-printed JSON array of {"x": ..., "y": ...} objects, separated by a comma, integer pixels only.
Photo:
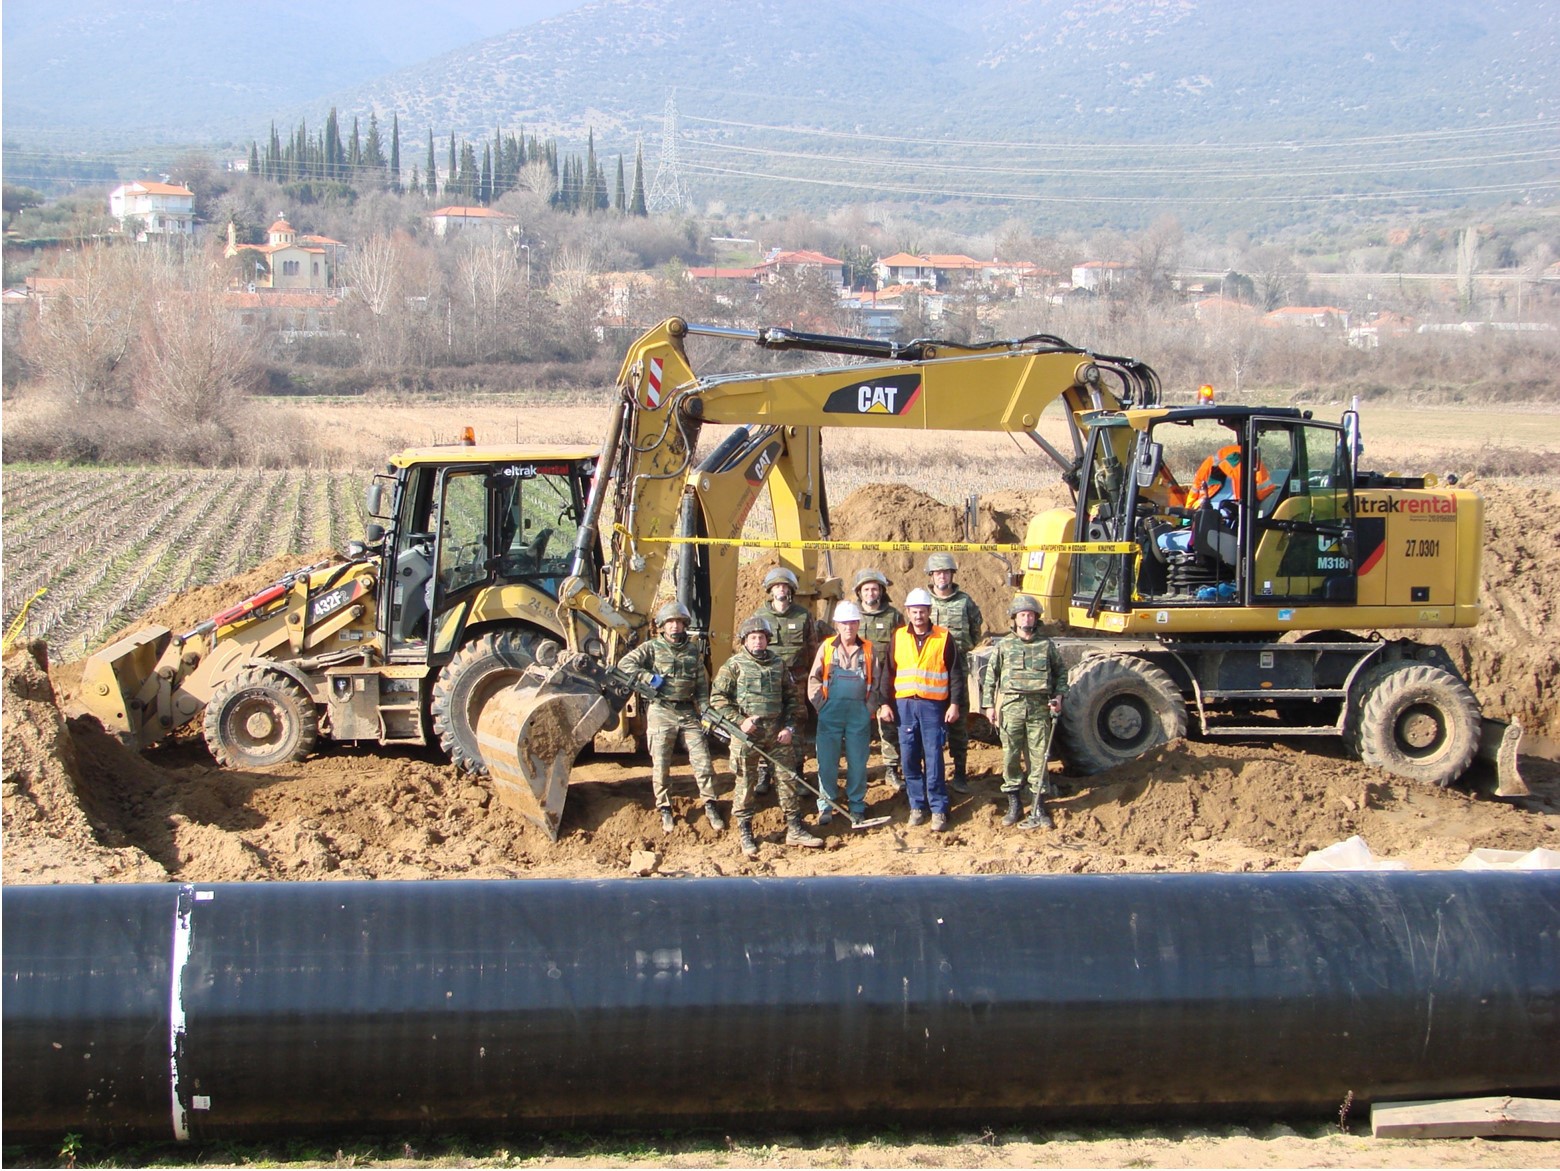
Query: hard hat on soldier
[
  {"x": 756, "y": 625},
  {"x": 941, "y": 561},
  {"x": 1021, "y": 603},
  {"x": 779, "y": 575},
  {"x": 673, "y": 610}
]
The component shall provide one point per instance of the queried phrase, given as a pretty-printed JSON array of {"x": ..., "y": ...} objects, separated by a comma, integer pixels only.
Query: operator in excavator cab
[{"x": 1217, "y": 484}]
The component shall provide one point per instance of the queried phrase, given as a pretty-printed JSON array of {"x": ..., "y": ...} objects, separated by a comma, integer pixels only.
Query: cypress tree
[
  {"x": 373, "y": 151},
  {"x": 415, "y": 186},
  {"x": 355, "y": 155},
  {"x": 254, "y": 159},
  {"x": 469, "y": 177},
  {"x": 620, "y": 196},
  {"x": 332, "y": 145},
  {"x": 395, "y": 153},
  {"x": 588, "y": 187},
  {"x": 485, "y": 190},
  {"x": 450, "y": 172},
  {"x": 636, "y": 205},
  {"x": 433, "y": 170}
]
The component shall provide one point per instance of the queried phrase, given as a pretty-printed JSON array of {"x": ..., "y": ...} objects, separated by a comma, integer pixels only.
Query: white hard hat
[
  {"x": 847, "y": 612},
  {"x": 918, "y": 597}
]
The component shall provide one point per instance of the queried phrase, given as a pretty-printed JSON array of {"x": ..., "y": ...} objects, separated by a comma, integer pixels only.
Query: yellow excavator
[{"x": 1216, "y": 562}]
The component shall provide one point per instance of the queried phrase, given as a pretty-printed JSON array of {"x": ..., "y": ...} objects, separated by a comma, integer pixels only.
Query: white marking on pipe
[{"x": 183, "y": 909}]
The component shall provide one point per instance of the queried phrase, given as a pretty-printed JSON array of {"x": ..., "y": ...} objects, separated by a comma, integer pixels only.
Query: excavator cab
[{"x": 1227, "y": 507}]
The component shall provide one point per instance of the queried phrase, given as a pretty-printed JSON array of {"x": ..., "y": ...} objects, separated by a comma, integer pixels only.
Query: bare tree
[
  {"x": 85, "y": 327},
  {"x": 196, "y": 364},
  {"x": 373, "y": 274},
  {"x": 489, "y": 276}
]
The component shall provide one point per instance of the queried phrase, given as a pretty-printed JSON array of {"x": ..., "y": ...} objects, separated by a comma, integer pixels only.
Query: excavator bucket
[
  {"x": 1498, "y": 744},
  {"x": 529, "y": 735}
]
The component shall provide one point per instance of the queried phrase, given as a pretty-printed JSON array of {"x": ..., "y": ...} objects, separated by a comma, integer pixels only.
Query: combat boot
[
  {"x": 957, "y": 784},
  {"x": 745, "y": 836},
  {"x": 712, "y": 815},
  {"x": 1015, "y": 809},
  {"x": 763, "y": 784},
  {"x": 797, "y": 834},
  {"x": 667, "y": 822},
  {"x": 1039, "y": 817}
]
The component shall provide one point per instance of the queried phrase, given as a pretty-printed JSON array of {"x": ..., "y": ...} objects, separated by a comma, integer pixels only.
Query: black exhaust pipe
[{"x": 204, "y": 1011}]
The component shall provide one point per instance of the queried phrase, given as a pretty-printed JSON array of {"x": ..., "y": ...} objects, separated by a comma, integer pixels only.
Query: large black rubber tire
[
  {"x": 1117, "y": 708},
  {"x": 479, "y": 669},
  {"x": 260, "y": 718},
  {"x": 1416, "y": 721}
]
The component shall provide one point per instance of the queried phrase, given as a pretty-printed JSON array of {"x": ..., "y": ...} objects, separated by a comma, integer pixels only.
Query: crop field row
[{"x": 106, "y": 546}]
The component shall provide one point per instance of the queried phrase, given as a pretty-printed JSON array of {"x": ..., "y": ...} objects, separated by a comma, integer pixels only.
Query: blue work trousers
[
  {"x": 843, "y": 721},
  {"x": 922, "y": 735}
]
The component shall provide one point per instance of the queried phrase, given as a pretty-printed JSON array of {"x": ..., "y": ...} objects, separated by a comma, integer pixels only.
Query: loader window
[
  {"x": 463, "y": 538},
  {"x": 539, "y": 520}
]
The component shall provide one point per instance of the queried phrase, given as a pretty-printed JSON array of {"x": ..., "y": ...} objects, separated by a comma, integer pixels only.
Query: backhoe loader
[{"x": 1240, "y": 609}]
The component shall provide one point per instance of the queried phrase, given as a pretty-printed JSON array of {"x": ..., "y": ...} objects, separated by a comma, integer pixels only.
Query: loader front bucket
[
  {"x": 119, "y": 686},
  {"x": 529, "y": 735}
]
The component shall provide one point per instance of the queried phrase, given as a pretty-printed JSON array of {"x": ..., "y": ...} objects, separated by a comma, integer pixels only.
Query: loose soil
[{"x": 79, "y": 808}]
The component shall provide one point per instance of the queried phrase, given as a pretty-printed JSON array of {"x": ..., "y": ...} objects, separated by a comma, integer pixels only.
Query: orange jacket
[{"x": 1223, "y": 468}]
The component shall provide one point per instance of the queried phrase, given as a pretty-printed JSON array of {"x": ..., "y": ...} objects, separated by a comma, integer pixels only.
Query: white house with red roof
[
  {"x": 1099, "y": 275},
  {"x": 163, "y": 209},
  {"x": 446, "y": 221}
]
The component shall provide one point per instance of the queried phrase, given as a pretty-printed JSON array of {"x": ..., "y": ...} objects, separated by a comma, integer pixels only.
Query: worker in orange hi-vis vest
[{"x": 926, "y": 670}]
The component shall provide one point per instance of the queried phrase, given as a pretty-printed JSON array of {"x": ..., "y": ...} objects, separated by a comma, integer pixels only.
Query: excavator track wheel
[
  {"x": 260, "y": 718},
  {"x": 1117, "y": 708},
  {"x": 481, "y": 668},
  {"x": 1417, "y": 721}
]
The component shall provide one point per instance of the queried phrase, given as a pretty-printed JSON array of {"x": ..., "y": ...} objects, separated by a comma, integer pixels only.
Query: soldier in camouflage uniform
[
  {"x": 754, "y": 690},
  {"x": 1022, "y": 695},
  {"x": 879, "y": 620},
  {"x": 955, "y": 610},
  {"x": 673, "y": 665},
  {"x": 795, "y": 642}
]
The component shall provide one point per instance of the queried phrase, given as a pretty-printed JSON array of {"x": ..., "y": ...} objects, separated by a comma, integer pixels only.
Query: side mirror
[
  {"x": 373, "y": 533},
  {"x": 1150, "y": 457},
  {"x": 374, "y": 497}
]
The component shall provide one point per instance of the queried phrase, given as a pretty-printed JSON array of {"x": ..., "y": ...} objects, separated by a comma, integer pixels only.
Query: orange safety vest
[
  {"x": 1224, "y": 468},
  {"x": 921, "y": 672},
  {"x": 828, "y": 661}
]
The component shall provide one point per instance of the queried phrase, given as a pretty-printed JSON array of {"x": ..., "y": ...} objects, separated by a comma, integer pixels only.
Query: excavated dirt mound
[{"x": 80, "y": 808}]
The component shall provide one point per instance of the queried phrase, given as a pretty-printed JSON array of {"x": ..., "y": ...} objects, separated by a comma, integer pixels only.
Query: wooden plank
[{"x": 1467, "y": 1118}]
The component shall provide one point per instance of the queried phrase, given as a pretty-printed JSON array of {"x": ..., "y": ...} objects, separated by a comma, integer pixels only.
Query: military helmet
[
  {"x": 865, "y": 575},
  {"x": 756, "y": 625},
  {"x": 673, "y": 610},
  {"x": 779, "y": 575},
  {"x": 918, "y": 597},
  {"x": 1023, "y": 602},
  {"x": 941, "y": 561}
]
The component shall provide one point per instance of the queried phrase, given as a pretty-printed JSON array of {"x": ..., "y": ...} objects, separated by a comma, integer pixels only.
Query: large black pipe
[{"x": 245, "y": 1008}]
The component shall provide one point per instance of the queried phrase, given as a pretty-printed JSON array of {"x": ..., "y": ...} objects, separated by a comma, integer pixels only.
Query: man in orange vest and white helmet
[{"x": 926, "y": 670}]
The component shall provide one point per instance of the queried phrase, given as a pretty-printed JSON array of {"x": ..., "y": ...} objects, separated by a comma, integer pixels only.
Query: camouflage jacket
[
  {"x": 681, "y": 665},
  {"x": 878, "y": 626},
  {"x": 795, "y": 638},
  {"x": 959, "y": 613},
  {"x": 1023, "y": 667},
  {"x": 747, "y": 685}
]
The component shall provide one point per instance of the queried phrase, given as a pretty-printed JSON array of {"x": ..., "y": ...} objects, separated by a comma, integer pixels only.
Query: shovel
[{"x": 728, "y": 729}]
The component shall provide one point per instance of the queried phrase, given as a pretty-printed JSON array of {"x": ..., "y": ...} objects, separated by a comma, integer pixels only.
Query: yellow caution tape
[
  {"x": 894, "y": 546},
  {"x": 19, "y": 621}
]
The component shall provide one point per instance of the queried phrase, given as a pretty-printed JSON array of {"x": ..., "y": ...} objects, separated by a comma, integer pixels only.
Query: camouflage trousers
[
  {"x": 1025, "y": 724},
  {"x": 663, "y": 725},
  {"x": 745, "y": 762},
  {"x": 959, "y": 745}
]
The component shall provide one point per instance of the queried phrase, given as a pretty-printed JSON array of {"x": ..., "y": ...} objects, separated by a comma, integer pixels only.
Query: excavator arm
[{"x": 650, "y": 489}]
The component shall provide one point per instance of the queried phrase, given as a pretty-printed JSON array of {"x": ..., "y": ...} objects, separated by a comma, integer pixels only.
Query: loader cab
[
  {"x": 467, "y": 519},
  {"x": 1225, "y": 507}
]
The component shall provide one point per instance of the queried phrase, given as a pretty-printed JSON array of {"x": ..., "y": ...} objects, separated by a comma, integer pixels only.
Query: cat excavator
[{"x": 1239, "y": 605}]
